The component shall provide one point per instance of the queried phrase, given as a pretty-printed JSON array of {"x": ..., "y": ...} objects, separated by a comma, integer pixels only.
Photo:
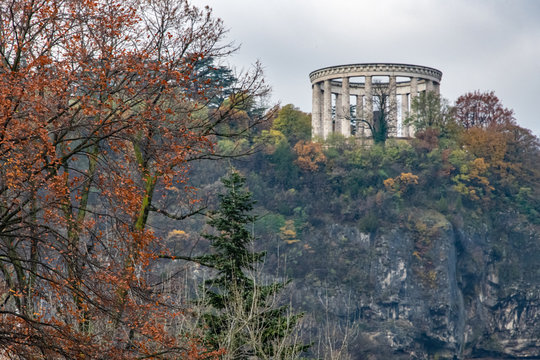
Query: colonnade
[{"x": 371, "y": 86}]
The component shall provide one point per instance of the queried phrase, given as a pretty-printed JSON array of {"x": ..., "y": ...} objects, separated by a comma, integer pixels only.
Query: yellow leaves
[
  {"x": 288, "y": 232},
  {"x": 15, "y": 293},
  {"x": 489, "y": 144},
  {"x": 408, "y": 178},
  {"x": 271, "y": 139},
  {"x": 401, "y": 184},
  {"x": 472, "y": 180},
  {"x": 293, "y": 123},
  {"x": 230, "y": 148},
  {"x": 389, "y": 184},
  {"x": 176, "y": 233},
  {"x": 478, "y": 166}
]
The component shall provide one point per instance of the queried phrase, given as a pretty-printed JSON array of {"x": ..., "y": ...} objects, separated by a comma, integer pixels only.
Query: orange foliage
[
  {"x": 401, "y": 184},
  {"x": 489, "y": 144},
  {"x": 95, "y": 115},
  {"x": 310, "y": 155},
  {"x": 509, "y": 152}
]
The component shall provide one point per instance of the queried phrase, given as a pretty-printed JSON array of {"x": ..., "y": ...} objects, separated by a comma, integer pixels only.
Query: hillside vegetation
[{"x": 454, "y": 209}]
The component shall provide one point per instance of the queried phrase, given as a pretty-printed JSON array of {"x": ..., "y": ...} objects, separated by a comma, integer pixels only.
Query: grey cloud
[{"x": 478, "y": 44}]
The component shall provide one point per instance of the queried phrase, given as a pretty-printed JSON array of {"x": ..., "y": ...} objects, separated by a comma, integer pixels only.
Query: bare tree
[{"x": 383, "y": 120}]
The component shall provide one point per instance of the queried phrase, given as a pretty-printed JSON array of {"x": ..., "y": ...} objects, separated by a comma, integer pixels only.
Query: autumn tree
[
  {"x": 401, "y": 184},
  {"x": 511, "y": 155},
  {"x": 481, "y": 109},
  {"x": 310, "y": 155},
  {"x": 100, "y": 112},
  {"x": 293, "y": 123},
  {"x": 243, "y": 315}
]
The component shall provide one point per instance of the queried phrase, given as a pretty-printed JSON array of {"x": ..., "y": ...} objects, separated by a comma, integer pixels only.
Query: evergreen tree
[
  {"x": 242, "y": 316},
  {"x": 210, "y": 77}
]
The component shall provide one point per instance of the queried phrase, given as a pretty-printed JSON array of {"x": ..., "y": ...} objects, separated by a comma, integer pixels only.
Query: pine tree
[{"x": 242, "y": 316}]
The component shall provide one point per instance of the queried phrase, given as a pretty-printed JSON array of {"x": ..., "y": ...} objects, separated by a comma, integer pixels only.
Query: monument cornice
[{"x": 375, "y": 69}]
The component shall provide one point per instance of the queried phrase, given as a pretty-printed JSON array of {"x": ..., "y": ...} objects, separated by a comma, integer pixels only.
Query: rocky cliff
[{"x": 426, "y": 288}]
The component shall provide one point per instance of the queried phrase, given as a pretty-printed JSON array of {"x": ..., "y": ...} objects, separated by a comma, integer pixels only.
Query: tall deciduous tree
[
  {"x": 310, "y": 155},
  {"x": 482, "y": 109},
  {"x": 243, "y": 317},
  {"x": 512, "y": 155},
  {"x": 98, "y": 112},
  {"x": 293, "y": 123},
  {"x": 510, "y": 152},
  {"x": 429, "y": 110}
]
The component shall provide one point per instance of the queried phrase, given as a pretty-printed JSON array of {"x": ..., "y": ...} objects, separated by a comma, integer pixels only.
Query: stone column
[
  {"x": 392, "y": 118},
  {"x": 327, "y": 110},
  {"x": 369, "y": 102},
  {"x": 437, "y": 88},
  {"x": 345, "y": 113},
  {"x": 337, "y": 115},
  {"x": 359, "y": 114},
  {"x": 316, "y": 119},
  {"x": 414, "y": 87},
  {"x": 429, "y": 85},
  {"x": 404, "y": 114},
  {"x": 414, "y": 93}
]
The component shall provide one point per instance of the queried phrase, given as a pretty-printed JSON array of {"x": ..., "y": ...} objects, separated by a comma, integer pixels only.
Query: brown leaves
[
  {"x": 310, "y": 155},
  {"x": 94, "y": 117},
  {"x": 484, "y": 110}
]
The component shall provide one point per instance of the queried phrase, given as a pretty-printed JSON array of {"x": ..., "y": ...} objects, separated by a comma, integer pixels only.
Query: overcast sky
[{"x": 477, "y": 44}]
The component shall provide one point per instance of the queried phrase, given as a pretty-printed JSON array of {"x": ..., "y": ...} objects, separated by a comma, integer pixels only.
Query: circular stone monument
[{"x": 334, "y": 87}]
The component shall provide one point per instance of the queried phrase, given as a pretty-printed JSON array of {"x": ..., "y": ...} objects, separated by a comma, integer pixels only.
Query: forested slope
[{"x": 419, "y": 247}]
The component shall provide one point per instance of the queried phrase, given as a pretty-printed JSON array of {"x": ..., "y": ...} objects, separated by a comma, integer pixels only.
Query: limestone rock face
[{"x": 426, "y": 290}]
